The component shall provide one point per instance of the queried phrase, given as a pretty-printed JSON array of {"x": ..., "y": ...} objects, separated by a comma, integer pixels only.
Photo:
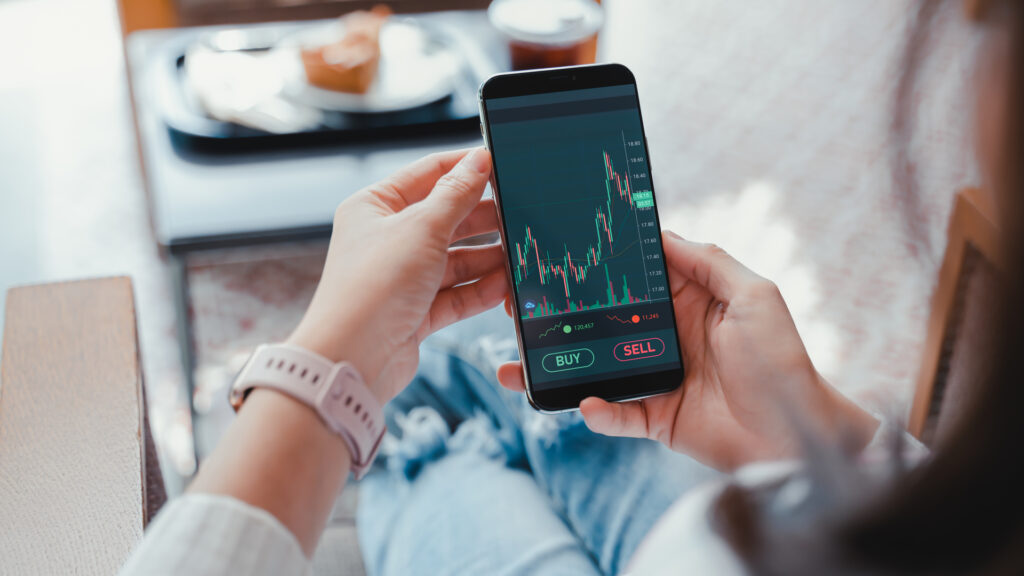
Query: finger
[
  {"x": 707, "y": 265},
  {"x": 460, "y": 302},
  {"x": 413, "y": 182},
  {"x": 472, "y": 262},
  {"x": 510, "y": 375},
  {"x": 508, "y": 306},
  {"x": 615, "y": 418},
  {"x": 676, "y": 281},
  {"x": 457, "y": 192},
  {"x": 482, "y": 220}
]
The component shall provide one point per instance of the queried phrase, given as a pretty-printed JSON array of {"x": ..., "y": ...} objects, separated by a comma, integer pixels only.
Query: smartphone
[{"x": 579, "y": 223}]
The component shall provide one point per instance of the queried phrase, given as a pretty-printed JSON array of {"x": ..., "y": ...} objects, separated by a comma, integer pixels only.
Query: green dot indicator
[{"x": 567, "y": 329}]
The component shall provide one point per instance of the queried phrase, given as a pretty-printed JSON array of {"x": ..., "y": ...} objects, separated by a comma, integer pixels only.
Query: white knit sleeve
[{"x": 210, "y": 535}]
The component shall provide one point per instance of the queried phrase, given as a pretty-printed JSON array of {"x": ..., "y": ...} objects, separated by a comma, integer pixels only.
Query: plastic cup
[{"x": 548, "y": 33}]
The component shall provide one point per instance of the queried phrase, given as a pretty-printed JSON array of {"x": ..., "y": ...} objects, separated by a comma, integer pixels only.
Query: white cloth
[{"x": 209, "y": 535}]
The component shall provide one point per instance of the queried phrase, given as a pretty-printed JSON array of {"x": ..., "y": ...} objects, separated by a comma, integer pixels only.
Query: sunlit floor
[
  {"x": 72, "y": 203},
  {"x": 71, "y": 198}
]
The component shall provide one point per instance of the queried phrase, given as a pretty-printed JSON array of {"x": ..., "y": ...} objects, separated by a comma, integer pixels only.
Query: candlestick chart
[{"x": 589, "y": 239}]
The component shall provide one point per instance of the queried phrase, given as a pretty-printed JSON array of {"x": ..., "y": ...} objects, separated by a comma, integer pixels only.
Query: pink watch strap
[{"x": 335, "y": 391}]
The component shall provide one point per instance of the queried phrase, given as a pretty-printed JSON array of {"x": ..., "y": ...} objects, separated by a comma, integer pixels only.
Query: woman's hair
[{"x": 962, "y": 510}]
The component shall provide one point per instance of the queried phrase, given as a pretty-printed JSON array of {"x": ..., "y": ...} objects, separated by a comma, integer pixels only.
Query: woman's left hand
[{"x": 391, "y": 277}]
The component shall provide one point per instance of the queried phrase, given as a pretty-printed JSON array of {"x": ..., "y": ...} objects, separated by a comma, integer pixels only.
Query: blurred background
[{"x": 201, "y": 146}]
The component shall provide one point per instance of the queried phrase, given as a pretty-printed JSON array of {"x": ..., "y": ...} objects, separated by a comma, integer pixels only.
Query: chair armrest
[
  {"x": 958, "y": 327},
  {"x": 75, "y": 451}
]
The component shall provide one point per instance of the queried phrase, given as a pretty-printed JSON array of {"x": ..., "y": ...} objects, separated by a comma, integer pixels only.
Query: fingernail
[
  {"x": 672, "y": 234},
  {"x": 478, "y": 160}
]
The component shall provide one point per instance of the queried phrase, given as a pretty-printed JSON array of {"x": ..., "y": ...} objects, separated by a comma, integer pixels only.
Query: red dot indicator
[{"x": 635, "y": 319}]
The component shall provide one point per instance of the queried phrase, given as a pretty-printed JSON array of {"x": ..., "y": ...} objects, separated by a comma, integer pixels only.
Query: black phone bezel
[{"x": 545, "y": 81}]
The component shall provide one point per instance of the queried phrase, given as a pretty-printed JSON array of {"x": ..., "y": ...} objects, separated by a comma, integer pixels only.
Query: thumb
[
  {"x": 459, "y": 191},
  {"x": 707, "y": 265},
  {"x": 615, "y": 418}
]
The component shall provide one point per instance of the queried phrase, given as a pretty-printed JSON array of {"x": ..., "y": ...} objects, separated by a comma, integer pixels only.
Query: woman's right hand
[{"x": 748, "y": 375}]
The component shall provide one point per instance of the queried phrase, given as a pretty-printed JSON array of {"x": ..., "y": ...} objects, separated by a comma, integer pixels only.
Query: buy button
[
  {"x": 639, "y": 349},
  {"x": 568, "y": 360}
]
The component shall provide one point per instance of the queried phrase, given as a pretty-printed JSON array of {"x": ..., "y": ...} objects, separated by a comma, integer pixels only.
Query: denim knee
[{"x": 425, "y": 437}]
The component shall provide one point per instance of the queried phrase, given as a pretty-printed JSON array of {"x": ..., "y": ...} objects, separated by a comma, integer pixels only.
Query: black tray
[{"x": 193, "y": 130}]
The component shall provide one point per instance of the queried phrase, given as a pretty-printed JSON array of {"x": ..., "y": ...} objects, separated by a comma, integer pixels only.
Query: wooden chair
[
  {"x": 79, "y": 477},
  {"x": 957, "y": 328}
]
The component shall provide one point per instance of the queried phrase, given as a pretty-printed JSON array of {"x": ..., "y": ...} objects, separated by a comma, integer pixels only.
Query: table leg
[{"x": 186, "y": 343}]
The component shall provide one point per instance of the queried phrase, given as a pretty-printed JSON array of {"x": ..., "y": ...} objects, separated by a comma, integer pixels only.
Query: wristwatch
[{"x": 336, "y": 392}]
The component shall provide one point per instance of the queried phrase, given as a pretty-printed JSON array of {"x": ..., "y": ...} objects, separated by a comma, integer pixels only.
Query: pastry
[{"x": 350, "y": 63}]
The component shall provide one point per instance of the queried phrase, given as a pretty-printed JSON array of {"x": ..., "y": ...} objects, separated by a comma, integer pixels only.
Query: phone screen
[{"x": 582, "y": 236}]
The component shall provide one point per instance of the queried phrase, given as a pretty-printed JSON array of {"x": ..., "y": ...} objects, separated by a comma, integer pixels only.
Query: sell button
[
  {"x": 639, "y": 349},
  {"x": 568, "y": 360}
]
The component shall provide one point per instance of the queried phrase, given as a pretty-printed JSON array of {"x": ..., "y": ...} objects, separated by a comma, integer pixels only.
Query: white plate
[{"x": 415, "y": 69}]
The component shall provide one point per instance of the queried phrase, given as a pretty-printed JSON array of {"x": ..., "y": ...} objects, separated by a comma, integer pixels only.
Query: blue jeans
[{"x": 472, "y": 480}]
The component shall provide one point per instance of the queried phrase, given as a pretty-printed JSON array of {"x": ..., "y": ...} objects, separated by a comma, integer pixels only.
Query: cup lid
[{"x": 555, "y": 22}]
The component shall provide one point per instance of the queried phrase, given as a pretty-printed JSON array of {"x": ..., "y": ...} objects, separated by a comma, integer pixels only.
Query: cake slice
[{"x": 350, "y": 63}]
